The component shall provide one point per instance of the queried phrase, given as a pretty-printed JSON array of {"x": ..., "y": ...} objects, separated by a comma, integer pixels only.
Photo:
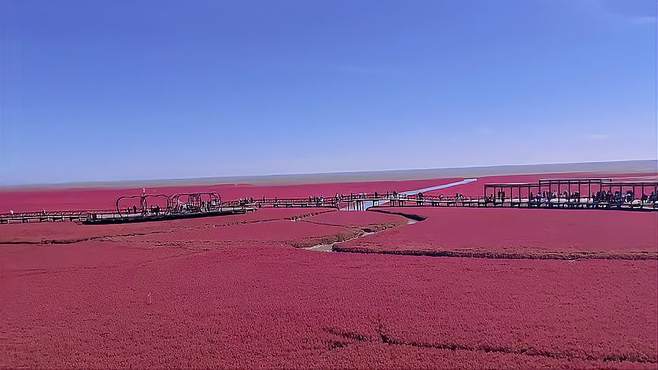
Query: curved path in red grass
[{"x": 238, "y": 291}]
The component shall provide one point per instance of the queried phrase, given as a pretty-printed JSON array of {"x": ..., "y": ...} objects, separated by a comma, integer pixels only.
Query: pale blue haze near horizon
[{"x": 120, "y": 90}]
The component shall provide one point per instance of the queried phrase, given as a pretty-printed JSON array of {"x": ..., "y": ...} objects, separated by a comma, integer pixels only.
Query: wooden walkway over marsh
[{"x": 584, "y": 193}]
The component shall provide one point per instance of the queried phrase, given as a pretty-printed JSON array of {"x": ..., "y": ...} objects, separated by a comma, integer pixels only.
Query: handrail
[{"x": 213, "y": 202}]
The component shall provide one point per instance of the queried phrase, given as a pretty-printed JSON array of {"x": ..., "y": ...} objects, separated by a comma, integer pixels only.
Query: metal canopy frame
[
  {"x": 570, "y": 189},
  {"x": 143, "y": 203},
  {"x": 194, "y": 202}
]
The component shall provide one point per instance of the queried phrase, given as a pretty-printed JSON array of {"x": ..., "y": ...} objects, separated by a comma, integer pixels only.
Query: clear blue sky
[{"x": 114, "y": 90}]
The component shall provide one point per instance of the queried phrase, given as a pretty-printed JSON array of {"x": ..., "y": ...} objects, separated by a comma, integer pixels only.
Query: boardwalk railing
[
  {"x": 361, "y": 201},
  {"x": 112, "y": 216},
  {"x": 49, "y": 216},
  {"x": 562, "y": 203}
]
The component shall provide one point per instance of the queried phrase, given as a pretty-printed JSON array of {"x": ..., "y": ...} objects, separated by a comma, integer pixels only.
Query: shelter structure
[{"x": 574, "y": 193}]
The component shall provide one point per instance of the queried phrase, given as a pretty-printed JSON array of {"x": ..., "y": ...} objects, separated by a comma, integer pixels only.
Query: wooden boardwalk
[
  {"x": 581, "y": 203},
  {"x": 97, "y": 217},
  {"x": 604, "y": 194}
]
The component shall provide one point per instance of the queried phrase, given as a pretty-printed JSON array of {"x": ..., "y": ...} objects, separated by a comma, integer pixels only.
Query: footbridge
[{"x": 589, "y": 193}]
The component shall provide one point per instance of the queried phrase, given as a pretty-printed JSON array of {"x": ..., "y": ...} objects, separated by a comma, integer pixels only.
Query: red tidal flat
[
  {"x": 90, "y": 198},
  {"x": 283, "y": 307},
  {"x": 357, "y": 219},
  {"x": 67, "y": 232},
  {"x": 519, "y": 233},
  {"x": 296, "y": 229},
  {"x": 233, "y": 292}
]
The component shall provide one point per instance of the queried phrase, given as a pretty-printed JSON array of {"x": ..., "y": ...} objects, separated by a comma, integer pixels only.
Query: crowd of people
[
  {"x": 619, "y": 197},
  {"x": 547, "y": 196}
]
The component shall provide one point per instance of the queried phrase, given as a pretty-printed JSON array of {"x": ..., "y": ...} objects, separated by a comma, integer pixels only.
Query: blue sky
[{"x": 117, "y": 90}]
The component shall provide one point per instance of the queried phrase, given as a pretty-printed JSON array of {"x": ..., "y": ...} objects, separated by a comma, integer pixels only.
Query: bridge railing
[
  {"x": 581, "y": 202},
  {"x": 357, "y": 201},
  {"x": 391, "y": 199},
  {"x": 49, "y": 216}
]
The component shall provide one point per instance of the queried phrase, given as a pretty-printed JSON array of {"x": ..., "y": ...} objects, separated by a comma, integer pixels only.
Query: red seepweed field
[
  {"x": 86, "y": 198},
  {"x": 463, "y": 288},
  {"x": 519, "y": 233}
]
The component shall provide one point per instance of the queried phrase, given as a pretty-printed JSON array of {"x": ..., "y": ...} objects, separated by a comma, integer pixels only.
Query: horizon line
[{"x": 632, "y": 166}]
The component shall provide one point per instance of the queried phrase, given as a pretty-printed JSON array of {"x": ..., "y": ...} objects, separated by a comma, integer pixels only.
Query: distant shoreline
[{"x": 634, "y": 166}]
